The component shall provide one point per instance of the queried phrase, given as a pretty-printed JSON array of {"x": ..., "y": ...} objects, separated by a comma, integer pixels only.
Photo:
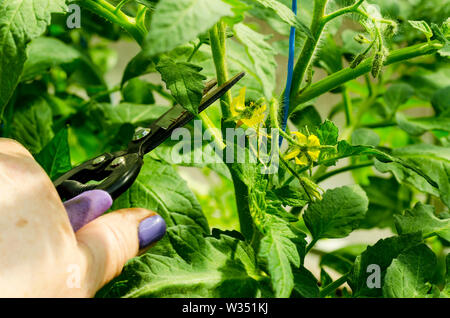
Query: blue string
[{"x": 290, "y": 72}]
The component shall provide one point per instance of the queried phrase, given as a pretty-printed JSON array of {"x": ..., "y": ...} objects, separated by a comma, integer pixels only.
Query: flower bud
[{"x": 357, "y": 60}]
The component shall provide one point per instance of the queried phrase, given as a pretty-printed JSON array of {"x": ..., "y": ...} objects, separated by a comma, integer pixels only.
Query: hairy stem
[
  {"x": 348, "y": 74},
  {"x": 109, "y": 12},
  {"x": 217, "y": 39},
  {"x": 218, "y": 48}
]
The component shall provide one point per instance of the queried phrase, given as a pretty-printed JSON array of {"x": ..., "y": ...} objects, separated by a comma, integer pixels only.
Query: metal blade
[{"x": 173, "y": 115}]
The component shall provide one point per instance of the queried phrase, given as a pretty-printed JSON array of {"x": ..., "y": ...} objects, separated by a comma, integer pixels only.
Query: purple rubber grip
[{"x": 86, "y": 207}]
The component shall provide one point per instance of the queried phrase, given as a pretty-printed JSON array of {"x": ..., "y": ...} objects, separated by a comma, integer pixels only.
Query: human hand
[{"x": 48, "y": 249}]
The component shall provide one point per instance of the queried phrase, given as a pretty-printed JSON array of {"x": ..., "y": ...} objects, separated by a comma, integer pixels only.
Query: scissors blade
[
  {"x": 177, "y": 117},
  {"x": 172, "y": 116}
]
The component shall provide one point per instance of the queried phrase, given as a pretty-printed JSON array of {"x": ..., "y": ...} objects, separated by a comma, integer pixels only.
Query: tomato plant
[{"x": 382, "y": 64}]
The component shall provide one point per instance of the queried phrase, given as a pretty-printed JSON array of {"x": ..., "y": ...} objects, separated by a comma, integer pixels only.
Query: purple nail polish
[
  {"x": 86, "y": 207},
  {"x": 151, "y": 230}
]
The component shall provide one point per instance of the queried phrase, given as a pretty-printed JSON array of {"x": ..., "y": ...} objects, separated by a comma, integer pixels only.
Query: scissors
[{"x": 116, "y": 172}]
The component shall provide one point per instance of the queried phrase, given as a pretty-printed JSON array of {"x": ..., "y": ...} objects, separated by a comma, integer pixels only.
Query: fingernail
[
  {"x": 151, "y": 230},
  {"x": 86, "y": 207}
]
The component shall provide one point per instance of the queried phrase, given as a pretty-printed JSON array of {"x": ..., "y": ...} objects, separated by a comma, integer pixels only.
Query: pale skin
[{"x": 40, "y": 255}]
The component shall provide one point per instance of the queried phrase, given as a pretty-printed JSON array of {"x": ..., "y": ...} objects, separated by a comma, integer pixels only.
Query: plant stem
[
  {"x": 213, "y": 130},
  {"x": 338, "y": 13},
  {"x": 334, "y": 285},
  {"x": 310, "y": 245},
  {"x": 382, "y": 124},
  {"x": 348, "y": 74},
  {"x": 109, "y": 12},
  {"x": 217, "y": 38},
  {"x": 196, "y": 48},
  {"x": 309, "y": 47},
  {"x": 347, "y": 105},
  {"x": 324, "y": 176}
]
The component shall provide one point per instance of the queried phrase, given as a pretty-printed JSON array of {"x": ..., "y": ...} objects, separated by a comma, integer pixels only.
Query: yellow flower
[
  {"x": 304, "y": 147},
  {"x": 251, "y": 116}
]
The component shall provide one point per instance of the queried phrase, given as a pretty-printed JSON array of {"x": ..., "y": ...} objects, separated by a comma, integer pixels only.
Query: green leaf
[
  {"x": 184, "y": 81},
  {"x": 422, "y": 218},
  {"x": 328, "y": 133},
  {"x": 381, "y": 254},
  {"x": 159, "y": 188},
  {"x": 262, "y": 56},
  {"x": 441, "y": 101},
  {"x": 291, "y": 195},
  {"x": 418, "y": 126},
  {"x": 32, "y": 125},
  {"x": 433, "y": 160},
  {"x": 305, "y": 284},
  {"x": 45, "y": 53},
  {"x": 20, "y": 22},
  {"x": 396, "y": 95},
  {"x": 193, "y": 266},
  {"x": 338, "y": 213},
  {"x": 386, "y": 198},
  {"x": 446, "y": 291},
  {"x": 279, "y": 251},
  {"x": 139, "y": 65},
  {"x": 55, "y": 157},
  {"x": 365, "y": 136},
  {"x": 176, "y": 22},
  {"x": 287, "y": 16},
  {"x": 307, "y": 117},
  {"x": 410, "y": 274},
  {"x": 423, "y": 27},
  {"x": 138, "y": 91}
]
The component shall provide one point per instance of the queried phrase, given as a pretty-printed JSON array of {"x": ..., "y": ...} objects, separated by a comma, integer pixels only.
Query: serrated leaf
[
  {"x": 44, "y": 53},
  {"x": 176, "y": 22},
  {"x": 366, "y": 137},
  {"x": 381, "y": 254},
  {"x": 159, "y": 188},
  {"x": 328, "y": 133},
  {"x": 338, "y": 213},
  {"x": 137, "y": 91},
  {"x": 113, "y": 116},
  {"x": 32, "y": 125},
  {"x": 423, "y": 27},
  {"x": 418, "y": 126},
  {"x": 432, "y": 160},
  {"x": 184, "y": 81},
  {"x": 194, "y": 266},
  {"x": 55, "y": 157},
  {"x": 261, "y": 54},
  {"x": 441, "y": 101},
  {"x": 20, "y": 22},
  {"x": 305, "y": 284},
  {"x": 386, "y": 199},
  {"x": 287, "y": 16},
  {"x": 422, "y": 219},
  {"x": 396, "y": 95},
  {"x": 278, "y": 250},
  {"x": 410, "y": 273}
]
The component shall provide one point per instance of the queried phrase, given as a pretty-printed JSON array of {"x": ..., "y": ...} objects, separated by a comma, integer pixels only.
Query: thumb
[{"x": 111, "y": 240}]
